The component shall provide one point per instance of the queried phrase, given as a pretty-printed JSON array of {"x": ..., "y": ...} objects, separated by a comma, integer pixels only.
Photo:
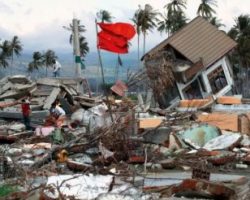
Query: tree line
[{"x": 145, "y": 19}]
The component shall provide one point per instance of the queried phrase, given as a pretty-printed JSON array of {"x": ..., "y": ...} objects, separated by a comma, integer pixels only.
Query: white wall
[{"x": 204, "y": 74}]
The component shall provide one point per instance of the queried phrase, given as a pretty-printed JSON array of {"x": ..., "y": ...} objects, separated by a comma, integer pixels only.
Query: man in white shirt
[{"x": 56, "y": 68}]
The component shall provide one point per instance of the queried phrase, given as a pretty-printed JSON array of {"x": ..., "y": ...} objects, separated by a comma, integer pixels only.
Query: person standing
[
  {"x": 26, "y": 113},
  {"x": 56, "y": 68}
]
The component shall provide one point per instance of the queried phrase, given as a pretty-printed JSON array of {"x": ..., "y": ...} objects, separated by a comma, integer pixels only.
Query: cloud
[{"x": 39, "y": 22}]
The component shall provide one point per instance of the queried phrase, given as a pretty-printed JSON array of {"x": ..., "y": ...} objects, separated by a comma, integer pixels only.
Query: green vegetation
[
  {"x": 42, "y": 60},
  {"x": 6, "y": 190}
]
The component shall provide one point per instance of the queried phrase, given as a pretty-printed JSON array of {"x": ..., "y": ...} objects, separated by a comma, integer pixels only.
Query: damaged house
[{"x": 191, "y": 64}]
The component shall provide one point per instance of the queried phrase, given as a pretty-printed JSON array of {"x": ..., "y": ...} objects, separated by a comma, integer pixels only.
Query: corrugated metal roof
[{"x": 199, "y": 39}]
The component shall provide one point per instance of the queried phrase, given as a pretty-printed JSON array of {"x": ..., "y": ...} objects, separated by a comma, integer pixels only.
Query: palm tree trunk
[
  {"x": 46, "y": 71},
  {"x": 11, "y": 67},
  {"x": 138, "y": 46},
  {"x": 144, "y": 43}
]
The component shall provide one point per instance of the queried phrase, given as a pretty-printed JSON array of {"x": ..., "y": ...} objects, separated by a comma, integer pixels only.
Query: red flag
[
  {"x": 111, "y": 46},
  {"x": 122, "y": 29},
  {"x": 116, "y": 40}
]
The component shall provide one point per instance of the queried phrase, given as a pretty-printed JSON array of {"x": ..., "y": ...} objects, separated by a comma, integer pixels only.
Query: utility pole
[{"x": 76, "y": 47}]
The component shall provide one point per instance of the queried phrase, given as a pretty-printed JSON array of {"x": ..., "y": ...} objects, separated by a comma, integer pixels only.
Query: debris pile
[{"x": 105, "y": 148}]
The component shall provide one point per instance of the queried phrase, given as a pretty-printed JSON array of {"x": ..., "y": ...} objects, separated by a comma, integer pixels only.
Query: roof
[{"x": 198, "y": 39}]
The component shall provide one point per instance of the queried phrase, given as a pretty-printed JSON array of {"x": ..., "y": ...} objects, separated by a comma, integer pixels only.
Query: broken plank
[
  {"x": 51, "y": 98},
  {"x": 194, "y": 103},
  {"x": 229, "y": 100},
  {"x": 224, "y": 121},
  {"x": 150, "y": 122}
]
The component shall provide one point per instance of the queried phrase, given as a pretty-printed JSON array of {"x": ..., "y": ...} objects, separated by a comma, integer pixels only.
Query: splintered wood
[{"x": 227, "y": 121}]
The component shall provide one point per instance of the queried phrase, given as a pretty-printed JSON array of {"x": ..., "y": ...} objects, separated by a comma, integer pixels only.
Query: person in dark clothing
[{"x": 26, "y": 113}]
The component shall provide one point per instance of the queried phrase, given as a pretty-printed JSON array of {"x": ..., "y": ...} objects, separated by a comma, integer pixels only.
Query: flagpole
[{"x": 102, "y": 72}]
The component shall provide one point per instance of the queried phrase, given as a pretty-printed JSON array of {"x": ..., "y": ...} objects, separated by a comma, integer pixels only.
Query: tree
[
  {"x": 164, "y": 24},
  {"x": 137, "y": 23},
  {"x": 48, "y": 58},
  {"x": 174, "y": 18},
  {"x": 5, "y": 53},
  {"x": 240, "y": 32},
  {"x": 84, "y": 49},
  {"x": 15, "y": 49},
  {"x": 216, "y": 22},
  {"x": 147, "y": 18},
  {"x": 175, "y": 6},
  {"x": 205, "y": 8},
  {"x": 3, "y": 60},
  {"x": 37, "y": 61},
  {"x": 104, "y": 16}
]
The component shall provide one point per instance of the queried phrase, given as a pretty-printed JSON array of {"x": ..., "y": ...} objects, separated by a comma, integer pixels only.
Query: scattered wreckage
[{"x": 132, "y": 151}]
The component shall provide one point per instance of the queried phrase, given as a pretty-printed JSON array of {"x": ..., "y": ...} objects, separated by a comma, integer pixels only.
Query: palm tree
[
  {"x": 3, "y": 60},
  {"x": 216, "y": 22},
  {"x": 48, "y": 58},
  {"x": 164, "y": 25},
  {"x": 84, "y": 49},
  {"x": 205, "y": 8},
  {"x": 15, "y": 49},
  {"x": 175, "y": 17},
  {"x": 81, "y": 29},
  {"x": 241, "y": 34},
  {"x": 5, "y": 53},
  {"x": 137, "y": 23},
  {"x": 104, "y": 16},
  {"x": 147, "y": 21},
  {"x": 175, "y": 6},
  {"x": 5, "y": 46},
  {"x": 37, "y": 61}
]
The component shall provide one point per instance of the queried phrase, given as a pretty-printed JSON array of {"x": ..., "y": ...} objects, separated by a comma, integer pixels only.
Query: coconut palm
[
  {"x": 15, "y": 49},
  {"x": 175, "y": 17},
  {"x": 164, "y": 24},
  {"x": 175, "y": 6},
  {"x": 147, "y": 20},
  {"x": 3, "y": 60},
  {"x": 81, "y": 29},
  {"x": 48, "y": 58},
  {"x": 241, "y": 34},
  {"x": 104, "y": 16},
  {"x": 37, "y": 61},
  {"x": 84, "y": 49},
  {"x": 205, "y": 8},
  {"x": 216, "y": 22},
  {"x": 137, "y": 24},
  {"x": 5, "y": 47},
  {"x": 4, "y": 53}
]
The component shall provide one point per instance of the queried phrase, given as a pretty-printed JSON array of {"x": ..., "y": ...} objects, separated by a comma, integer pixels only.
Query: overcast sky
[{"x": 39, "y": 23}]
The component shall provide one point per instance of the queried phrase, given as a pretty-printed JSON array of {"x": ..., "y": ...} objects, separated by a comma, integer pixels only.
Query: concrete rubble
[{"x": 108, "y": 148}]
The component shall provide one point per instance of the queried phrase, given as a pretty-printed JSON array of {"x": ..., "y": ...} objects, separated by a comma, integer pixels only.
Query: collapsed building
[{"x": 191, "y": 64}]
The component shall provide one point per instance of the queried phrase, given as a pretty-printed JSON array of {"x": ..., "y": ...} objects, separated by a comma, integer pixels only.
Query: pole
[
  {"x": 102, "y": 72},
  {"x": 76, "y": 48}
]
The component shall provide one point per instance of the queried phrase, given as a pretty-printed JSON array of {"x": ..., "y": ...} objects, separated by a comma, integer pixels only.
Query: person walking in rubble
[
  {"x": 26, "y": 111},
  {"x": 56, "y": 68}
]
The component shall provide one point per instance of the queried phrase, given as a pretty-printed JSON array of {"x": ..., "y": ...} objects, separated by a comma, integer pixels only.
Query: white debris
[
  {"x": 17, "y": 127},
  {"x": 79, "y": 186},
  {"x": 222, "y": 142}
]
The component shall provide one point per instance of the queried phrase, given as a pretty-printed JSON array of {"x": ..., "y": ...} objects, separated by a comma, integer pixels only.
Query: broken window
[
  {"x": 192, "y": 91},
  {"x": 217, "y": 79}
]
